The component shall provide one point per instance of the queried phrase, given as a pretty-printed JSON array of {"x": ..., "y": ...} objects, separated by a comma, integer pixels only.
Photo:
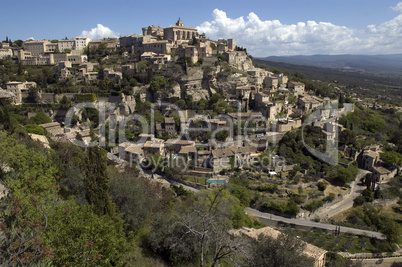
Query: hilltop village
[{"x": 190, "y": 113}]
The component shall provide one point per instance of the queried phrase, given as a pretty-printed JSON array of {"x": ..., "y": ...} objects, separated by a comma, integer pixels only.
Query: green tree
[
  {"x": 135, "y": 198},
  {"x": 35, "y": 129},
  {"x": 81, "y": 238},
  {"x": 31, "y": 181},
  {"x": 64, "y": 103},
  {"x": 285, "y": 251},
  {"x": 391, "y": 158},
  {"x": 200, "y": 230},
  {"x": 41, "y": 118},
  {"x": 97, "y": 182},
  {"x": 321, "y": 186}
]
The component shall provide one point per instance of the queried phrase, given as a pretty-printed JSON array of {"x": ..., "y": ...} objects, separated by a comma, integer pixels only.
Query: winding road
[
  {"x": 356, "y": 188},
  {"x": 300, "y": 222}
]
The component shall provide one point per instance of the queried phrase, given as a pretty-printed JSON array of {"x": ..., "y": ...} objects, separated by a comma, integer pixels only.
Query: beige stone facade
[
  {"x": 81, "y": 42},
  {"x": 154, "y": 31},
  {"x": 133, "y": 43},
  {"x": 112, "y": 43},
  {"x": 6, "y": 52},
  {"x": 158, "y": 47},
  {"x": 18, "y": 88},
  {"x": 35, "y": 47},
  {"x": 296, "y": 88},
  {"x": 179, "y": 33},
  {"x": 66, "y": 44}
]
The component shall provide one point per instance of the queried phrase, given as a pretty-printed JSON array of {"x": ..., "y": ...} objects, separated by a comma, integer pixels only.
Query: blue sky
[{"x": 265, "y": 28}]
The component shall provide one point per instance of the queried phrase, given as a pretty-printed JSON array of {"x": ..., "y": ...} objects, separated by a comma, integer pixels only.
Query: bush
[
  {"x": 35, "y": 129},
  {"x": 358, "y": 201},
  {"x": 314, "y": 205},
  {"x": 330, "y": 197},
  {"x": 86, "y": 98},
  {"x": 321, "y": 186}
]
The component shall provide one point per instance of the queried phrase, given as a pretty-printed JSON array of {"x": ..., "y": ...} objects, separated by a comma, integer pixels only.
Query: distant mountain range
[{"x": 353, "y": 63}]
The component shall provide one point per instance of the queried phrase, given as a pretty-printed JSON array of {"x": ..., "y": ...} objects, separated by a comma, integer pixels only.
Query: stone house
[
  {"x": 6, "y": 52},
  {"x": 309, "y": 103},
  {"x": 90, "y": 76},
  {"x": 19, "y": 89},
  {"x": 174, "y": 146},
  {"x": 52, "y": 128},
  {"x": 381, "y": 174},
  {"x": 213, "y": 124},
  {"x": 261, "y": 100},
  {"x": 154, "y": 146},
  {"x": 296, "y": 88},
  {"x": 169, "y": 126},
  {"x": 220, "y": 159},
  {"x": 134, "y": 153},
  {"x": 112, "y": 75},
  {"x": 369, "y": 157}
]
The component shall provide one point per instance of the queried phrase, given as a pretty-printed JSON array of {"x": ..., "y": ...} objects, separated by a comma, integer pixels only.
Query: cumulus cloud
[
  {"x": 271, "y": 37},
  {"x": 386, "y": 37},
  {"x": 99, "y": 32},
  {"x": 398, "y": 7}
]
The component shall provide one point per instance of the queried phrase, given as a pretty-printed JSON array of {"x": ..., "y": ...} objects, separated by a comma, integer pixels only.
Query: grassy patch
[
  {"x": 342, "y": 243},
  {"x": 195, "y": 179}
]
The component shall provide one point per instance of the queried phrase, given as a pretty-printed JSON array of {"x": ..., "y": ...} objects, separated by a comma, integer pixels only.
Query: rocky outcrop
[
  {"x": 196, "y": 84},
  {"x": 168, "y": 92},
  {"x": 127, "y": 105}
]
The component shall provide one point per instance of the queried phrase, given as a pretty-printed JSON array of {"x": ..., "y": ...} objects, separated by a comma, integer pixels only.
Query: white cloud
[
  {"x": 30, "y": 39},
  {"x": 398, "y": 7},
  {"x": 99, "y": 32},
  {"x": 271, "y": 37}
]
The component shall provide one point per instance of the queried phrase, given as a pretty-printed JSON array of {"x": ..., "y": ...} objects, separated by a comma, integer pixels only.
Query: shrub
[
  {"x": 321, "y": 186},
  {"x": 358, "y": 201}
]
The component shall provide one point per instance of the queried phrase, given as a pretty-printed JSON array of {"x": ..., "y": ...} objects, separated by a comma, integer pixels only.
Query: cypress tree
[{"x": 97, "y": 182}]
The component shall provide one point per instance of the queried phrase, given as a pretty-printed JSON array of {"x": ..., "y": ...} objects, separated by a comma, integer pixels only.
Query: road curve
[
  {"x": 324, "y": 226},
  {"x": 347, "y": 201}
]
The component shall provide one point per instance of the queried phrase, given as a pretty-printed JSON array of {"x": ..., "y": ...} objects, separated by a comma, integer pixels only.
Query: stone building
[
  {"x": 261, "y": 100},
  {"x": 154, "y": 31},
  {"x": 6, "y": 52},
  {"x": 179, "y": 33},
  {"x": 133, "y": 43},
  {"x": 310, "y": 103},
  {"x": 35, "y": 47},
  {"x": 296, "y": 88},
  {"x": 52, "y": 128},
  {"x": 66, "y": 44},
  {"x": 19, "y": 89},
  {"x": 158, "y": 47},
  {"x": 81, "y": 42},
  {"x": 112, "y": 43},
  {"x": 239, "y": 60}
]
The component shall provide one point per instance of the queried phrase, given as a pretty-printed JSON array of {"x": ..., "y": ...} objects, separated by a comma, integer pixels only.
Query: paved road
[
  {"x": 277, "y": 218},
  {"x": 356, "y": 188},
  {"x": 157, "y": 176}
]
